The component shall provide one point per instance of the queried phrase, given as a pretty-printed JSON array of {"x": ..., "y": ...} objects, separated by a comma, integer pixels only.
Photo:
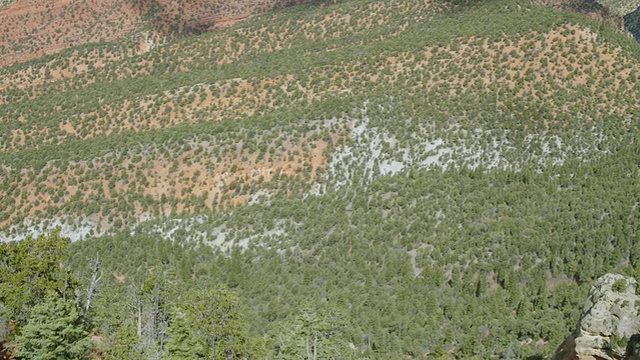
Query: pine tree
[
  {"x": 53, "y": 331},
  {"x": 182, "y": 343},
  {"x": 314, "y": 334},
  {"x": 29, "y": 269},
  {"x": 213, "y": 313}
]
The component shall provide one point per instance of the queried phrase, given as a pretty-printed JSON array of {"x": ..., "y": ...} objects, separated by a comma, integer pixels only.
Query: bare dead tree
[{"x": 96, "y": 275}]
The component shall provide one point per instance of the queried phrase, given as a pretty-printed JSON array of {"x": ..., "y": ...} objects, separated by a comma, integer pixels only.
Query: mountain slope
[
  {"x": 161, "y": 132},
  {"x": 445, "y": 177},
  {"x": 30, "y": 30}
]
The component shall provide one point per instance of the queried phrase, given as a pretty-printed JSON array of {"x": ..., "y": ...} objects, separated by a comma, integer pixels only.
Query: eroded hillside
[
  {"x": 100, "y": 136},
  {"x": 29, "y": 30}
]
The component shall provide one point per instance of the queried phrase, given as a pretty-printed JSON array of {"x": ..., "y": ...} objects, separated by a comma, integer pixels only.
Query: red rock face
[{"x": 30, "y": 29}]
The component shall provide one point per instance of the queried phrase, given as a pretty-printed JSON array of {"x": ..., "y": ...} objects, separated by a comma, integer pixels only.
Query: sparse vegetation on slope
[
  {"x": 129, "y": 140},
  {"x": 30, "y": 30}
]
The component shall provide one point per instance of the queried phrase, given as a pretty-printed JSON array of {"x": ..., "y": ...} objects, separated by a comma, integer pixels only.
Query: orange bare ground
[{"x": 30, "y": 29}]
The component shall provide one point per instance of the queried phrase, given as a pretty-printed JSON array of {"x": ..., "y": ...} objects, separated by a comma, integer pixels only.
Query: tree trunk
[
  {"x": 213, "y": 348},
  {"x": 139, "y": 307},
  {"x": 93, "y": 284},
  {"x": 315, "y": 346}
]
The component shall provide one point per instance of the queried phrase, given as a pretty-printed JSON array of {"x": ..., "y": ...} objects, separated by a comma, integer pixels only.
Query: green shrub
[{"x": 619, "y": 285}]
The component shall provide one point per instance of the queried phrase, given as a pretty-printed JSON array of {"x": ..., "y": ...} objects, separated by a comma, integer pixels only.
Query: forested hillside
[{"x": 364, "y": 179}]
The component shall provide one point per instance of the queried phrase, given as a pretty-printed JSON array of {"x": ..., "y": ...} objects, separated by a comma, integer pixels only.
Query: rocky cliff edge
[{"x": 609, "y": 325}]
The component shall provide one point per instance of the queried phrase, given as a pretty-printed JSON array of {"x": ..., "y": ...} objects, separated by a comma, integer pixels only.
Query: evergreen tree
[
  {"x": 314, "y": 334},
  {"x": 31, "y": 268},
  {"x": 53, "y": 331},
  {"x": 182, "y": 343},
  {"x": 213, "y": 313}
]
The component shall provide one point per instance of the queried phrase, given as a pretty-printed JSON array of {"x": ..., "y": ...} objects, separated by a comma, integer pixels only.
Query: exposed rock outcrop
[
  {"x": 593, "y": 9},
  {"x": 632, "y": 23},
  {"x": 620, "y": 7},
  {"x": 609, "y": 320}
]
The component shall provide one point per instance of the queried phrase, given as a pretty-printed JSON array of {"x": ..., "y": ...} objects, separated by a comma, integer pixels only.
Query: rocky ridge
[
  {"x": 620, "y": 7},
  {"x": 632, "y": 23},
  {"x": 609, "y": 325},
  {"x": 629, "y": 11}
]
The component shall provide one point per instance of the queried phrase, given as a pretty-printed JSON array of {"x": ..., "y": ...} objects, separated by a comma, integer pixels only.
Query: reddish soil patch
[
  {"x": 30, "y": 29},
  {"x": 189, "y": 181}
]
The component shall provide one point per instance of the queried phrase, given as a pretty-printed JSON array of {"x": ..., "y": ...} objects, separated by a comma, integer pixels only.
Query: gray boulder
[{"x": 609, "y": 319}]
